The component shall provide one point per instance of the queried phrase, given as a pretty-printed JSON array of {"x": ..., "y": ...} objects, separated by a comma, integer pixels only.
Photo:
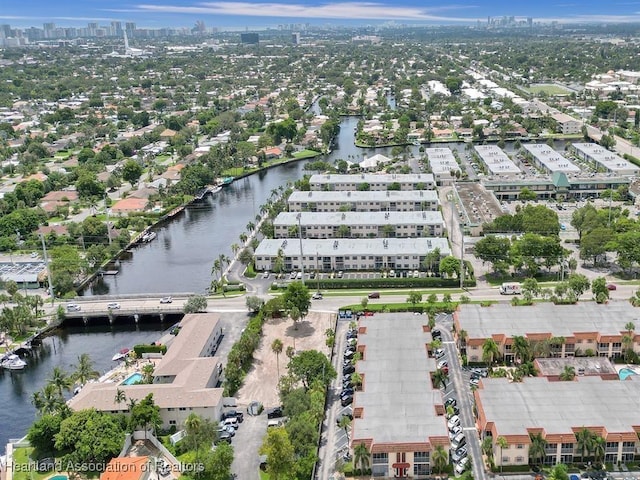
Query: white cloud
[{"x": 338, "y": 10}]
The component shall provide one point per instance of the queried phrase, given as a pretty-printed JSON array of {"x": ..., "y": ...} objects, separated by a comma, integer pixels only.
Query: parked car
[
  {"x": 436, "y": 334},
  {"x": 374, "y": 295},
  {"x": 346, "y": 392},
  {"x": 442, "y": 364},
  {"x": 224, "y": 437},
  {"x": 347, "y": 383},
  {"x": 450, "y": 402},
  {"x": 352, "y": 342},
  {"x": 317, "y": 296},
  {"x": 265, "y": 275},
  {"x": 113, "y": 306},
  {"x": 461, "y": 466},
  {"x": 340, "y": 274},
  {"x": 233, "y": 414},
  {"x": 455, "y": 430},
  {"x": 275, "y": 412},
  {"x": 453, "y": 421},
  {"x": 293, "y": 275},
  {"x": 438, "y": 353},
  {"x": 346, "y": 401},
  {"x": 348, "y": 369},
  {"x": 166, "y": 300},
  {"x": 459, "y": 454},
  {"x": 611, "y": 286},
  {"x": 474, "y": 382}
]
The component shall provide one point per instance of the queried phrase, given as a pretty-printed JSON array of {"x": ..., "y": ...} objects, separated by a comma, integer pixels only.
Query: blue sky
[{"x": 230, "y": 13}]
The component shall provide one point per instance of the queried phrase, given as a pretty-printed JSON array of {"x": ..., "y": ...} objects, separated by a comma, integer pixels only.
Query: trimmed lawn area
[
  {"x": 306, "y": 154},
  {"x": 549, "y": 89},
  {"x": 21, "y": 468}
]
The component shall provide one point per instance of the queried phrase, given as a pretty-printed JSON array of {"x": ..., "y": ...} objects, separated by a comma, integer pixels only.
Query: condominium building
[
  {"x": 604, "y": 160},
  {"x": 443, "y": 165},
  {"x": 495, "y": 160},
  {"x": 567, "y": 125},
  {"x": 584, "y": 329},
  {"x": 547, "y": 159},
  {"x": 348, "y": 253},
  {"x": 398, "y": 414},
  {"x": 184, "y": 379},
  {"x": 558, "y": 411},
  {"x": 359, "y": 224},
  {"x": 364, "y": 201},
  {"x": 373, "y": 181}
]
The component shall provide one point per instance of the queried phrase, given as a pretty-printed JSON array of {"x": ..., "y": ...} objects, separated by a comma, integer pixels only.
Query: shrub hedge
[
  {"x": 379, "y": 283},
  {"x": 140, "y": 349},
  {"x": 241, "y": 355}
]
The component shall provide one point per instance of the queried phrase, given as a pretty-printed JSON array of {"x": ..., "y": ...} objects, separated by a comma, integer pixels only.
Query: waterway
[{"x": 62, "y": 350}]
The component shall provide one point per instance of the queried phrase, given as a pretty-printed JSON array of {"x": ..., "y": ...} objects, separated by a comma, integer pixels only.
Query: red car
[{"x": 611, "y": 286}]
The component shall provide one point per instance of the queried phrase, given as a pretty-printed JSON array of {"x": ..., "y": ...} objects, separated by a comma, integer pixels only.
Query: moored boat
[
  {"x": 120, "y": 355},
  {"x": 13, "y": 362}
]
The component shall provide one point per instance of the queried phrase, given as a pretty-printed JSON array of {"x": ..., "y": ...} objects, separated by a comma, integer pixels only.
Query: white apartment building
[
  {"x": 359, "y": 224},
  {"x": 443, "y": 164},
  {"x": 364, "y": 201},
  {"x": 604, "y": 160},
  {"x": 495, "y": 160},
  {"x": 546, "y": 158},
  {"x": 337, "y": 182},
  {"x": 348, "y": 253}
]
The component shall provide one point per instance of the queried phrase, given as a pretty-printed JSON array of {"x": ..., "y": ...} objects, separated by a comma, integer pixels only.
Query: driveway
[
  {"x": 246, "y": 444},
  {"x": 458, "y": 387}
]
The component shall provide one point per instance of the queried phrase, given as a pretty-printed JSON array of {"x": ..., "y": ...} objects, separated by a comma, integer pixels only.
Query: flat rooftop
[
  {"x": 398, "y": 400},
  {"x": 496, "y": 160},
  {"x": 559, "y": 407},
  {"x": 609, "y": 160},
  {"x": 427, "y": 217},
  {"x": 559, "y": 320},
  {"x": 588, "y": 365},
  {"x": 480, "y": 205},
  {"x": 353, "y": 246},
  {"x": 27, "y": 271},
  {"x": 372, "y": 178},
  {"x": 441, "y": 160},
  {"x": 369, "y": 196},
  {"x": 552, "y": 160}
]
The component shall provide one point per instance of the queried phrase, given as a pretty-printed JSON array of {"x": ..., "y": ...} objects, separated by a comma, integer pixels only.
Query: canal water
[{"x": 62, "y": 350}]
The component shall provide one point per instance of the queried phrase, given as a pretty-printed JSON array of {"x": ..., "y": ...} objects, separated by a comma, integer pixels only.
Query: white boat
[
  {"x": 149, "y": 236},
  {"x": 120, "y": 355},
  {"x": 13, "y": 362},
  {"x": 215, "y": 189}
]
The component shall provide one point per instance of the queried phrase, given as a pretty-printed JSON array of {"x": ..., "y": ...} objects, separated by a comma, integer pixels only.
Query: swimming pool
[
  {"x": 130, "y": 380},
  {"x": 625, "y": 372},
  {"x": 59, "y": 477},
  {"x": 574, "y": 477}
]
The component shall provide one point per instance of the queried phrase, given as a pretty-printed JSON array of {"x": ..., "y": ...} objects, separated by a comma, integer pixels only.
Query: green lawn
[
  {"x": 62, "y": 155},
  {"x": 549, "y": 89},
  {"x": 163, "y": 157},
  {"x": 263, "y": 475},
  {"x": 21, "y": 468},
  {"x": 306, "y": 154}
]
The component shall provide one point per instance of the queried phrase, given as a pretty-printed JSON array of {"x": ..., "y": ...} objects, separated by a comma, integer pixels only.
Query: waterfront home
[
  {"x": 129, "y": 205},
  {"x": 128, "y": 468},
  {"x": 184, "y": 380}
]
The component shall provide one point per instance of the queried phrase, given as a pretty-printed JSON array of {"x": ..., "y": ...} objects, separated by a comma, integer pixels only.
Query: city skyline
[{"x": 184, "y": 13}]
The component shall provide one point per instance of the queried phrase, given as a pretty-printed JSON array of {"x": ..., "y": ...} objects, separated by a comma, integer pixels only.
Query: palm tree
[
  {"x": 295, "y": 315},
  {"x": 439, "y": 379},
  {"x": 344, "y": 424},
  {"x": 356, "y": 379},
  {"x": 521, "y": 349},
  {"x": 147, "y": 372},
  {"x": 490, "y": 351},
  {"x": 84, "y": 370},
  {"x": 630, "y": 327},
  {"x": 47, "y": 401},
  {"x": 462, "y": 339},
  {"x": 243, "y": 238},
  {"x": 235, "y": 248},
  {"x": 120, "y": 397},
  {"x": 216, "y": 267},
  {"x": 439, "y": 459},
  {"x": 568, "y": 373},
  {"x": 290, "y": 352},
  {"x": 599, "y": 445},
  {"x": 487, "y": 446},
  {"x": 541, "y": 348},
  {"x": 361, "y": 457},
  {"x": 537, "y": 448},
  {"x": 251, "y": 226},
  {"x": 502, "y": 443},
  {"x": 60, "y": 380},
  {"x": 584, "y": 442},
  {"x": 276, "y": 347},
  {"x": 192, "y": 425}
]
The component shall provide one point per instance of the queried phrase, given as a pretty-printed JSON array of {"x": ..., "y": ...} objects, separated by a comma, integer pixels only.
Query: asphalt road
[{"x": 458, "y": 388}]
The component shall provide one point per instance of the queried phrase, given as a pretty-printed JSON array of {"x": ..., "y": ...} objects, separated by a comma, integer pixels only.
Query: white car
[
  {"x": 265, "y": 275},
  {"x": 461, "y": 465},
  {"x": 166, "y": 300},
  {"x": 317, "y": 296},
  {"x": 73, "y": 307},
  {"x": 453, "y": 421},
  {"x": 442, "y": 364},
  {"x": 113, "y": 306}
]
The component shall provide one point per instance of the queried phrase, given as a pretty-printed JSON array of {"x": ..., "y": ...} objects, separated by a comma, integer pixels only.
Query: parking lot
[{"x": 246, "y": 444}]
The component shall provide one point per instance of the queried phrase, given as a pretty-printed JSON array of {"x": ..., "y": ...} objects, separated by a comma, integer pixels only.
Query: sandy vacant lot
[{"x": 262, "y": 380}]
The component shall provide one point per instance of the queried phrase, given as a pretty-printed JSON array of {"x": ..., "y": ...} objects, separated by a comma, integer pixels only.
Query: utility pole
[
  {"x": 106, "y": 209},
  {"x": 317, "y": 273},
  {"x": 46, "y": 262},
  {"x": 461, "y": 256},
  {"x": 300, "y": 238}
]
